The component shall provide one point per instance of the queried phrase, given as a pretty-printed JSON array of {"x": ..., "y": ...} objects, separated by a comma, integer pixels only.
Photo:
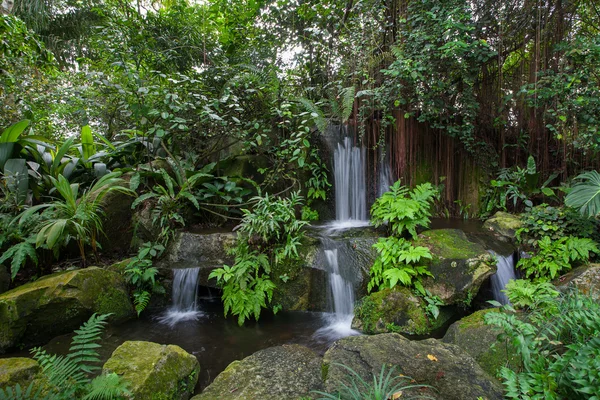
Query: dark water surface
[{"x": 214, "y": 340}]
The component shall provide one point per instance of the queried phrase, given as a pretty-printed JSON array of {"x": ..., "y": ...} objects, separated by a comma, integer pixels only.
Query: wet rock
[
  {"x": 459, "y": 266},
  {"x": 18, "y": 370},
  {"x": 397, "y": 310},
  {"x": 453, "y": 373},
  {"x": 586, "y": 279},
  {"x": 4, "y": 279},
  {"x": 503, "y": 224},
  {"x": 155, "y": 371},
  {"x": 59, "y": 303},
  {"x": 480, "y": 341},
  {"x": 277, "y": 373}
]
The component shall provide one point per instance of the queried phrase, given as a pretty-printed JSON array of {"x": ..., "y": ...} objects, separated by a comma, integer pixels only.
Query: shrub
[
  {"x": 398, "y": 261},
  {"x": 404, "y": 209},
  {"x": 558, "y": 346},
  {"x": 523, "y": 293}
]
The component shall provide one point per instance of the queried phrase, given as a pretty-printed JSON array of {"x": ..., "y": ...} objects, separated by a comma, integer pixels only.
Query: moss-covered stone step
[
  {"x": 56, "y": 304},
  {"x": 154, "y": 371},
  {"x": 277, "y": 373},
  {"x": 18, "y": 370}
]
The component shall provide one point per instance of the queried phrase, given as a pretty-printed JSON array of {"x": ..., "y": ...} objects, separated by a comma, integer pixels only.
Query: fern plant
[
  {"x": 525, "y": 294},
  {"x": 404, "y": 210},
  {"x": 555, "y": 257},
  {"x": 140, "y": 273},
  {"x": 67, "y": 377},
  {"x": 398, "y": 262}
]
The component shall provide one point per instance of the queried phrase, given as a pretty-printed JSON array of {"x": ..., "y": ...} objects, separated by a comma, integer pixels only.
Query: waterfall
[
  {"x": 185, "y": 288},
  {"x": 342, "y": 292},
  {"x": 385, "y": 177},
  {"x": 505, "y": 272},
  {"x": 350, "y": 182}
]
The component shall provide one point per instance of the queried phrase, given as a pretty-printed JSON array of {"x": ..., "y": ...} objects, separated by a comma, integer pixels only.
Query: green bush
[
  {"x": 525, "y": 294},
  {"x": 554, "y": 257},
  {"x": 558, "y": 346},
  {"x": 398, "y": 261},
  {"x": 404, "y": 209}
]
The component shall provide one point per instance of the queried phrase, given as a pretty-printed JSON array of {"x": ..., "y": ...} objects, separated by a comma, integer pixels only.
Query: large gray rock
[
  {"x": 4, "y": 279},
  {"x": 155, "y": 371},
  {"x": 586, "y": 279},
  {"x": 454, "y": 373},
  {"x": 397, "y": 310},
  {"x": 459, "y": 266},
  {"x": 18, "y": 370},
  {"x": 59, "y": 303},
  {"x": 480, "y": 341},
  {"x": 277, "y": 373},
  {"x": 503, "y": 224}
]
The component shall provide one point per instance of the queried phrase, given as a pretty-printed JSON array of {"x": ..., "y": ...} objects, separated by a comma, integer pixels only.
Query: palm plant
[
  {"x": 585, "y": 194},
  {"x": 75, "y": 217}
]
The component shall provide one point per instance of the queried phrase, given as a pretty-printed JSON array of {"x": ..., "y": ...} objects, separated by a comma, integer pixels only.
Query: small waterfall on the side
[
  {"x": 505, "y": 272},
  {"x": 350, "y": 184},
  {"x": 385, "y": 177},
  {"x": 185, "y": 288},
  {"x": 341, "y": 297}
]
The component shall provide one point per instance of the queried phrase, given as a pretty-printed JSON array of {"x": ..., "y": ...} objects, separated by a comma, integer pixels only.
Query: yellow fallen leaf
[
  {"x": 397, "y": 395},
  {"x": 432, "y": 357}
]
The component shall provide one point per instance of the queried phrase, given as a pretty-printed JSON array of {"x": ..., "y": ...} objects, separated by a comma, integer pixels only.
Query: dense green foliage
[
  {"x": 403, "y": 209},
  {"x": 558, "y": 347},
  {"x": 269, "y": 235},
  {"x": 68, "y": 377},
  {"x": 525, "y": 294}
]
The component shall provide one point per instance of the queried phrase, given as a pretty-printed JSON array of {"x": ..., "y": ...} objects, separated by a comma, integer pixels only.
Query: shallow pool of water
[{"x": 217, "y": 341}]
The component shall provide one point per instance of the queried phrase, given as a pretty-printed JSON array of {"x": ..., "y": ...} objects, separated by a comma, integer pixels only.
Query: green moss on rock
[
  {"x": 480, "y": 340},
  {"x": 459, "y": 266},
  {"x": 397, "y": 310},
  {"x": 504, "y": 224},
  {"x": 155, "y": 371},
  {"x": 282, "y": 372},
  {"x": 18, "y": 370},
  {"x": 59, "y": 303}
]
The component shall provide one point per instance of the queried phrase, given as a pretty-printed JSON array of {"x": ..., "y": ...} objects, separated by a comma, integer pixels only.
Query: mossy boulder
[
  {"x": 459, "y": 266},
  {"x": 586, "y": 279},
  {"x": 503, "y": 224},
  {"x": 480, "y": 341},
  {"x": 18, "y": 370},
  {"x": 59, "y": 303},
  {"x": 454, "y": 373},
  {"x": 277, "y": 373},
  {"x": 397, "y": 310},
  {"x": 155, "y": 371},
  {"x": 4, "y": 279}
]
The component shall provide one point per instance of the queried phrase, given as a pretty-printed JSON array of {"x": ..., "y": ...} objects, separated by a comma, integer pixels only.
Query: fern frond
[
  {"x": 107, "y": 387},
  {"x": 18, "y": 393},
  {"x": 141, "y": 300},
  {"x": 347, "y": 95},
  {"x": 82, "y": 350},
  {"x": 18, "y": 255}
]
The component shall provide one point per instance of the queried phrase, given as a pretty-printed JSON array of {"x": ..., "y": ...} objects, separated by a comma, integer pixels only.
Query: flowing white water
[
  {"x": 185, "y": 288},
  {"x": 385, "y": 177},
  {"x": 505, "y": 272},
  {"x": 342, "y": 301},
  {"x": 350, "y": 183}
]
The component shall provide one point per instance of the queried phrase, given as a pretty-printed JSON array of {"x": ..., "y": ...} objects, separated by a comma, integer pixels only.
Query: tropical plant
[
  {"x": 67, "y": 377},
  {"x": 554, "y": 257},
  {"x": 269, "y": 236},
  {"x": 528, "y": 295},
  {"x": 398, "y": 261},
  {"x": 140, "y": 273},
  {"x": 385, "y": 385},
  {"x": 585, "y": 194},
  {"x": 404, "y": 209},
  {"x": 76, "y": 216},
  {"x": 558, "y": 345},
  {"x": 555, "y": 222}
]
